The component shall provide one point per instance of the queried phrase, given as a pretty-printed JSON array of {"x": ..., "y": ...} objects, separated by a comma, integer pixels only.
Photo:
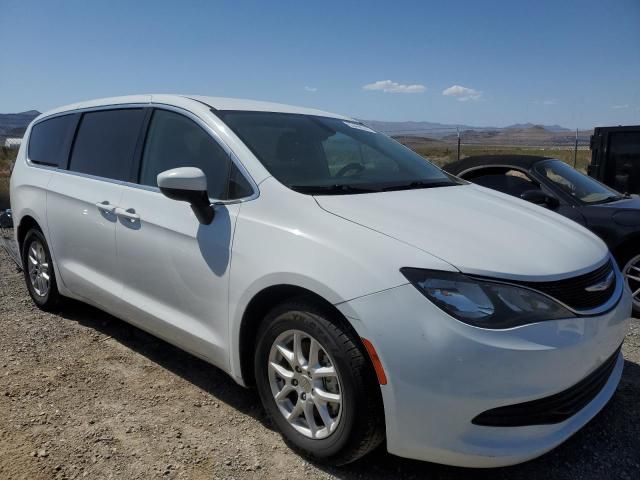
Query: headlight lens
[{"x": 484, "y": 303}]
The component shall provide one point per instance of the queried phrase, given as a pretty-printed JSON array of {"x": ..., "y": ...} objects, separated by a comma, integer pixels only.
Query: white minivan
[{"x": 365, "y": 293}]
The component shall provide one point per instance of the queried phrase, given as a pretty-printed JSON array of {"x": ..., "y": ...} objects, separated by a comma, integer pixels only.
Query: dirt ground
[{"x": 84, "y": 395}]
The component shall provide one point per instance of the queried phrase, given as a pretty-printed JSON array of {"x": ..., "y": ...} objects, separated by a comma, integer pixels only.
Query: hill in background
[
  {"x": 442, "y": 130},
  {"x": 15, "y": 124},
  {"x": 536, "y": 135},
  {"x": 521, "y": 134}
]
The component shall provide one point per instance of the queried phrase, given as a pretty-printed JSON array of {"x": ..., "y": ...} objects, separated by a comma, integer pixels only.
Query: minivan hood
[{"x": 477, "y": 230}]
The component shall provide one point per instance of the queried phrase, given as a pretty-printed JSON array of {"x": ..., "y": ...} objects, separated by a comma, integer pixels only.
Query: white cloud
[
  {"x": 462, "y": 93},
  {"x": 389, "y": 86},
  {"x": 310, "y": 89},
  {"x": 618, "y": 107}
]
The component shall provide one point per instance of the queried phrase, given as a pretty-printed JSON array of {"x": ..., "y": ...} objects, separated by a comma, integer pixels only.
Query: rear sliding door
[{"x": 81, "y": 203}]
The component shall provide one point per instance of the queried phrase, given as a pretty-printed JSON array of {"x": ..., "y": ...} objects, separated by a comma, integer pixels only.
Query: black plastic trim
[
  {"x": 136, "y": 164},
  {"x": 198, "y": 199},
  {"x": 213, "y": 109},
  {"x": 572, "y": 291},
  {"x": 555, "y": 408}
]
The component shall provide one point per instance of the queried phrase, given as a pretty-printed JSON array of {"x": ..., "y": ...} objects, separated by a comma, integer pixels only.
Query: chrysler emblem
[{"x": 603, "y": 285}]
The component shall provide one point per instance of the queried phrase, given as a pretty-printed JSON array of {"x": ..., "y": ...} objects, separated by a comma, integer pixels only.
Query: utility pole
[
  {"x": 458, "y": 130},
  {"x": 575, "y": 151}
]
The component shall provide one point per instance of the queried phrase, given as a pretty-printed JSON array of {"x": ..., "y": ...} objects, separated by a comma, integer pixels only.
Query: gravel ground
[{"x": 84, "y": 395}]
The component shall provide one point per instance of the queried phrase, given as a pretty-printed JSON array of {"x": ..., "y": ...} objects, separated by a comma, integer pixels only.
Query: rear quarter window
[
  {"x": 49, "y": 140},
  {"x": 106, "y": 142}
]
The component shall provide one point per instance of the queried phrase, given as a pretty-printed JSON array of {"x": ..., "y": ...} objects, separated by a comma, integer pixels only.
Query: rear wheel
[
  {"x": 38, "y": 271},
  {"x": 316, "y": 384}
]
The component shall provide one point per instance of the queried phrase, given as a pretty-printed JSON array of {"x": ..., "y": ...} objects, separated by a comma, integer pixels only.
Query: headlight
[{"x": 484, "y": 303}]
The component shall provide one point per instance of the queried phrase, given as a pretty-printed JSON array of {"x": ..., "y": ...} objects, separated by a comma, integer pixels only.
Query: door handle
[
  {"x": 105, "y": 206},
  {"x": 129, "y": 214}
]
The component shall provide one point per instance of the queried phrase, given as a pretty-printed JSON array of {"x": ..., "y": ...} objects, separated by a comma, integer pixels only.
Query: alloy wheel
[
  {"x": 305, "y": 384},
  {"x": 38, "y": 268},
  {"x": 631, "y": 273}
]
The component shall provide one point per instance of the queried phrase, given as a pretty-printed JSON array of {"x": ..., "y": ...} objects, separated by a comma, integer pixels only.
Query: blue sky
[{"x": 575, "y": 63}]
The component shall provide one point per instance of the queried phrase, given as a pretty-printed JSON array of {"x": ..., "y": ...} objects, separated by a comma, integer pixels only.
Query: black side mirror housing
[{"x": 540, "y": 198}]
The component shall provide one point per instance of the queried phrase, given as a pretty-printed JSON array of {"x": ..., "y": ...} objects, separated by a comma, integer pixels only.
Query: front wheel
[
  {"x": 316, "y": 384},
  {"x": 630, "y": 266}
]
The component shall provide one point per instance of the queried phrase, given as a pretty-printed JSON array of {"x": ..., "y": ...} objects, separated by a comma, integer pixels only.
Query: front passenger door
[{"x": 174, "y": 270}]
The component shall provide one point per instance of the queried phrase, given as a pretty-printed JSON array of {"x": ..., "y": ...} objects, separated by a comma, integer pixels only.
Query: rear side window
[
  {"x": 106, "y": 142},
  {"x": 49, "y": 140},
  {"x": 176, "y": 141}
]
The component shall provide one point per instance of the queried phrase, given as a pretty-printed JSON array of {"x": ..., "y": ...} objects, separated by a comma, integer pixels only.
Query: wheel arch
[
  {"x": 27, "y": 222},
  {"x": 630, "y": 244},
  {"x": 258, "y": 307}
]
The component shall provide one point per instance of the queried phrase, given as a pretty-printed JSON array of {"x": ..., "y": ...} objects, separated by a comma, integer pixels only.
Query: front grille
[
  {"x": 554, "y": 409},
  {"x": 572, "y": 291}
]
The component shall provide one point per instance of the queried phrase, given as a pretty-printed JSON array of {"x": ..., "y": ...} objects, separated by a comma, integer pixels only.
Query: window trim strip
[{"x": 134, "y": 184}]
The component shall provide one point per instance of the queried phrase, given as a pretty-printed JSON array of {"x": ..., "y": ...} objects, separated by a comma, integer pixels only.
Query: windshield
[
  {"x": 576, "y": 184},
  {"x": 319, "y": 155}
]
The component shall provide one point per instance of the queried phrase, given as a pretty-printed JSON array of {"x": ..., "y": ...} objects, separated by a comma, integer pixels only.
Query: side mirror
[
  {"x": 540, "y": 198},
  {"x": 188, "y": 184}
]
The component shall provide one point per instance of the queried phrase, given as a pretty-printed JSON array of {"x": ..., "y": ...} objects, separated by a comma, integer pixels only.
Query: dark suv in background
[{"x": 615, "y": 157}]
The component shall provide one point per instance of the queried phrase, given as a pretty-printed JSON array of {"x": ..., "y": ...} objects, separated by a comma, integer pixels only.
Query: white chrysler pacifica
[{"x": 363, "y": 291}]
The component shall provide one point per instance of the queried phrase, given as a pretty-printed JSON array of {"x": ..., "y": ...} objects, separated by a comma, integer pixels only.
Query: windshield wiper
[
  {"x": 419, "y": 184},
  {"x": 347, "y": 189},
  {"x": 331, "y": 189},
  {"x": 613, "y": 198}
]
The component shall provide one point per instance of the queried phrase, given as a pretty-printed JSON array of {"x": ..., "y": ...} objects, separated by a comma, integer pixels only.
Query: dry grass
[
  {"x": 6, "y": 157},
  {"x": 4, "y": 193},
  {"x": 443, "y": 154}
]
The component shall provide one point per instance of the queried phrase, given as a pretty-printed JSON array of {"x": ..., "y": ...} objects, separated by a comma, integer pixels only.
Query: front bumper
[{"x": 443, "y": 373}]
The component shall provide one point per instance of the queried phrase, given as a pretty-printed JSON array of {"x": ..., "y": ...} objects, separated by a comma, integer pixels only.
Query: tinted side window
[
  {"x": 175, "y": 141},
  {"x": 49, "y": 140},
  {"x": 512, "y": 182},
  {"x": 105, "y": 143}
]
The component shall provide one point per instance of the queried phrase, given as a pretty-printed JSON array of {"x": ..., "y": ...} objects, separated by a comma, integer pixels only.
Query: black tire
[
  {"x": 52, "y": 299},
  {"x": 623, "y": 259},
  {"x": 361, "y": 425}
]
